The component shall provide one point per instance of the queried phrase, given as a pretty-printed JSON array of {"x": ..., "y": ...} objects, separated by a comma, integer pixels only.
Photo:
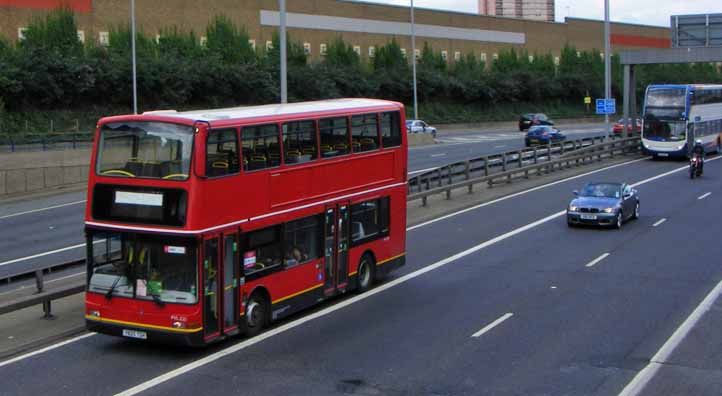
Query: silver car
[{"x": 418, "y": 126}]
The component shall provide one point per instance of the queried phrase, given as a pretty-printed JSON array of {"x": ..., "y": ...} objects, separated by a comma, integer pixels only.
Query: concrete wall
[{"x": 28, "y": 180}]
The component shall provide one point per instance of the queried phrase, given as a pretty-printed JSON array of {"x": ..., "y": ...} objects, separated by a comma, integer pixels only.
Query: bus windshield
[
  {"x": 666, "y": 102},
  {"x": 145, "y": 149},
  {"x": 144, "y": 268},
  {"x": 664, "y": 131}
]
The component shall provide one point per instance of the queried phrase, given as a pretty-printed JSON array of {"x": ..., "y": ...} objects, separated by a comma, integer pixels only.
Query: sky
[{"x": 646, "y": 12}]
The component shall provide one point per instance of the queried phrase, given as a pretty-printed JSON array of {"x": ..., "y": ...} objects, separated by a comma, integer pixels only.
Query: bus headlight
[
  {"x": 179, "y": 325},
  {"x": 680, "y": 147},
  {"x": 94, "y": 313}
]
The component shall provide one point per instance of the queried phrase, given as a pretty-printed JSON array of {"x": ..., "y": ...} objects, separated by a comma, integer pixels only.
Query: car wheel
[
  {"x": 365, "y": 273},
  {"x": 620, "y": 220},
  {"x": 635, "y": 216},
  {"x": 256, "y": 315}
]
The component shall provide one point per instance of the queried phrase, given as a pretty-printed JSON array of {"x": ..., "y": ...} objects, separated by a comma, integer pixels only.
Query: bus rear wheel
[
  {"x": 365, "y": 273},
  {"x": 256, "y": 315}
]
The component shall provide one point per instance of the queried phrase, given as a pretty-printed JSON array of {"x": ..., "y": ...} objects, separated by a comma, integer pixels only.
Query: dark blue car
[
  {"x": 607, "y": 204},
  {"x": 543, "y": 134}
]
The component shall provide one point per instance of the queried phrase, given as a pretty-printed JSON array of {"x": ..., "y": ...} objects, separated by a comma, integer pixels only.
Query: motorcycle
[{"x": 695, "y": 167}]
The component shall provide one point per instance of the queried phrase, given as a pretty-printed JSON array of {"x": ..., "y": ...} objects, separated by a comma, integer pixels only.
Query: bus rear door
[{"x": 336, "y": 245}]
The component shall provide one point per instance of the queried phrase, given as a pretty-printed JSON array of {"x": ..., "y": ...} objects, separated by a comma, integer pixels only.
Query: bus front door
[
  {"x": 220, "y": 304},
  {"x": 336, "y": 245},
  {"x": 211, "y": 296}
]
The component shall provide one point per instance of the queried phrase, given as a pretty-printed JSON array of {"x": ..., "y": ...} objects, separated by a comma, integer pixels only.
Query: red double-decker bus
[{"x": 201, "y": 225}]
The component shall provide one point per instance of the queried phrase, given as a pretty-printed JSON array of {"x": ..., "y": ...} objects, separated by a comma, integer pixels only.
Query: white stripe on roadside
[
  {"x": 643, "y": 377},
  {"x": 49, "y": 348},
  {"x": 421, "y": 171},
  {"x": 288, "y": 326},
  {"x": 41, "y": 210},
  {"x": 703, "y": 196},
  {"x": 597, "y": 260},
  {"x": 659, "y": 222},
  {"x": 17, "y": 260},
  {"x": 492, "y": 325}
]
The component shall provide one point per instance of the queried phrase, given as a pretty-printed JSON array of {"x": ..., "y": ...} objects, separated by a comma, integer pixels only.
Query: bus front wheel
[
  {"x": 256, "y": 315},
  {"x": 365, "y": 273}
]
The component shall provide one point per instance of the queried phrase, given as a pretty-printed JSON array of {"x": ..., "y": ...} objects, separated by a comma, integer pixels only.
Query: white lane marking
[
  {"x": 47, "y": 253},
  {"x": 597, "y": 260},
  {"x": 500, "y": 146},
  {"x": 281, "y": 329},
  {"x": 421, "y": 171},
  {"x": 66, "y": 277},
  {"x": 17, "y": 260},
  {"x": 504, "y": 198},
  {"x": 492, "y": 325},
  {"x": 643, "y": 377},
  {"x": 438, "y": 155},
  {"x": 703, "y": 196},
  {"x": 51, "y": 347},
  {"x": 42, "y": 209},
  {"x": 659, "y": 222}
]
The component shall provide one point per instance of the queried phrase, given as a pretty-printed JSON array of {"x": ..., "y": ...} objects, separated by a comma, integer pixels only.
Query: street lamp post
[
  {"x": 607, "y": 66},
  {"x": 282, "y": 32},
  {"x": 413, "y": 61},
  {"x": 132, "y": 50}
]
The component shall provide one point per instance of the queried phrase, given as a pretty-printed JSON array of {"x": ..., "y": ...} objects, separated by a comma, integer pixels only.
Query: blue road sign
[{"x": 606, "y": 107}]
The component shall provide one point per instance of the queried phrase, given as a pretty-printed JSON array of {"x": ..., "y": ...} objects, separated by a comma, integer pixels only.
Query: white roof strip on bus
[
  {"x": 282, "y": 109},
  {"x": 186, "y": 232}
]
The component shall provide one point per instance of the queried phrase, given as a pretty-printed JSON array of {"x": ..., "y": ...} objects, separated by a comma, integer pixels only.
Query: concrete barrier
[
  {"x": 420, "y": 139},
  {"x": 19, "y": 181}
]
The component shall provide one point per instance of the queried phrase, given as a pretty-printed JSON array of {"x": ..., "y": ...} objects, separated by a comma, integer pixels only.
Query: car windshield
[
  {"x": 143, "y": 268},
  {"x": 601, "y": 190},
  {"x": 145, "y": 149},
  {"x": 540, "y": 129}
]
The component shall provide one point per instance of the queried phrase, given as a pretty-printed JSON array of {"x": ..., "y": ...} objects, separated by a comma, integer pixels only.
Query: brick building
[{"x": 315, "y": 23}]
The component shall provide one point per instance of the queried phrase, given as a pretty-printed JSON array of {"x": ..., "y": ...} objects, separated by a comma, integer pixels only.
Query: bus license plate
[
  {"x": 141, "y": 335},
  {"x": 589, "y": 217},
  {"x": 662, "y": 155}
]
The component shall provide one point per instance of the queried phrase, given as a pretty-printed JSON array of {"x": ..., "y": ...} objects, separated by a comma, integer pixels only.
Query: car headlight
[
  {"x": 573, "y": 208},
  {"x": 609, "y": 210}
]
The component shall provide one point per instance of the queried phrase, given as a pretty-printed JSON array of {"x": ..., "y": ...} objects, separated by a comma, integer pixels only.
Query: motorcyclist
[{"x": 698, "y": 152}]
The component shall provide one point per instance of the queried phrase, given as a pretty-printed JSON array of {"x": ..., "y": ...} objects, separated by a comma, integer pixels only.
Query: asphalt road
[
  {"x": 48, "y": 231},
  {"x": 562, "y": 325}
]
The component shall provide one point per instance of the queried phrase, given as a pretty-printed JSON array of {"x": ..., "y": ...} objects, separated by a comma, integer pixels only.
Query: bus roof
[{"x": 275, "y": 109}]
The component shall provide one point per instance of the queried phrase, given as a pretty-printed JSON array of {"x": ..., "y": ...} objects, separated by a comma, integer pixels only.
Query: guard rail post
[
  {"x": 438, "y": 176},
  {"x": 519, "y": 158},
  {"x": 503, "y": 162},
  {"x": 486, "y": 166},
  {"x": 467, "y": 169},
  {"x": 451, "y": 173},
  {"x": 39, "y": 280}
]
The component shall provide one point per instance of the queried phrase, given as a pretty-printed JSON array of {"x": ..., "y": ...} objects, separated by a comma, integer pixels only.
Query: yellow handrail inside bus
[
  {"x": 117, "y": 172},
  {"x": 183, "y": 175}
]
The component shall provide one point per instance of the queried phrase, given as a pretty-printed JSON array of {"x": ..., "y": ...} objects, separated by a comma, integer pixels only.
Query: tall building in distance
[{"x": 538, "y": 10}]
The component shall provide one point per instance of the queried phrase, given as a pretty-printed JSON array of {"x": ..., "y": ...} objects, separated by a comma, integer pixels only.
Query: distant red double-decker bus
[{"x": 205, "y": 224}]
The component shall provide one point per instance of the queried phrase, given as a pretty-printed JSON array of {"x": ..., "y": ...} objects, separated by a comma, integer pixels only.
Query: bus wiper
[
  {"x": 158, "y": 301},
  {"x": 109, "y": 293}
]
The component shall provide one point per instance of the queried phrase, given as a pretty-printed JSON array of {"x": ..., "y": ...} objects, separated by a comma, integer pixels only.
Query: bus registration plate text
[{"x": 141, "y": 335}]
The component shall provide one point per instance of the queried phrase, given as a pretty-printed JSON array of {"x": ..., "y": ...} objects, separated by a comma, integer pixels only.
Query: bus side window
[
  {"x": 222, "y": 153},
  {"x": 391, "y": 129}
]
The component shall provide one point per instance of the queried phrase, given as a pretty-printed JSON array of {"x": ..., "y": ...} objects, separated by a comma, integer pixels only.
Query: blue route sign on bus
[{"x": 610, "y": 107}]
